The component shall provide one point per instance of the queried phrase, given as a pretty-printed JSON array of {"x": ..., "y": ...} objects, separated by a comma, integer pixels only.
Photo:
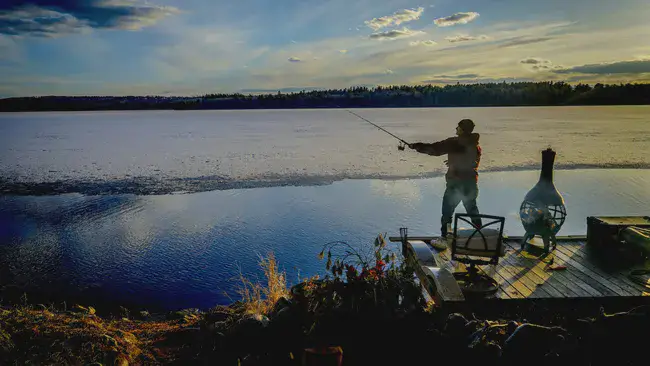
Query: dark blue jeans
[{"x": 457, "y": 191}]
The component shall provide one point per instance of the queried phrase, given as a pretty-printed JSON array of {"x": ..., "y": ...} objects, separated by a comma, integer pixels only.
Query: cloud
[
  {"x": 389, "y": 72},
  {"x": 538, "y": 64},
  {"x": 474, "y": 80},
  {"x": 520, "y": 41},
  {"x": 619, "y": 67},
  {"x": 461, "y": 76},
  {"x": 343, "y": 51},
  {"x": 534, "y": 61},
  {"x": 394, "y": 34},
  {"x": 458, "y": 18},
  {"x": 48, "y": 18},
  {"x": 466, "y": 38},
  {"x": 423, "y": 43},
  {"x": 294, "y": 59},
  {"x": 399, "y": 17}
]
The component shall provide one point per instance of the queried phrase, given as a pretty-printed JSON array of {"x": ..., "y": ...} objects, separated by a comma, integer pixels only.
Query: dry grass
[
  {"x": 260, "y": 298},
  {"x": 62, "y": 338}
]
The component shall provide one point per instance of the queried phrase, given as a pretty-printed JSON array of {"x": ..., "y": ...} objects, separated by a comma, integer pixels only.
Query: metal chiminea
[{"x": 543, "y": 212}]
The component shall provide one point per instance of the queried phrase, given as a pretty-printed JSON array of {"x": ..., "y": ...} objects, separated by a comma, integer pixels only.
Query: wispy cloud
[
  {"x": 395, "y": 33},
  {"x": 466, "y": 38},
  {"x": 458, "y": 18},
  {"x": 294, "y": 59},
  {"x": 619, "y": 67},
  {"x": 389, "y": 72},
  {"x": 399, "y": 17},
  {"x": 520, "y": 41},
  {"x": 460, "y": 76},
  {"x": 48, "y": 18},
  {"x": 343, "y": 51},
  {"x": 423, "y": 43}
]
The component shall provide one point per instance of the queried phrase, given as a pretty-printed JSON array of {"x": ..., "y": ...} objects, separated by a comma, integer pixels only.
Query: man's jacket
[{"x": 464, "y": 155}]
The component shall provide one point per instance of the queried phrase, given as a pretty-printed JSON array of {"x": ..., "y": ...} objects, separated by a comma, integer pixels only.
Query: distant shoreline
[
  {"x": 315, "y": 108},
  {"x": 526, "y": 94}
]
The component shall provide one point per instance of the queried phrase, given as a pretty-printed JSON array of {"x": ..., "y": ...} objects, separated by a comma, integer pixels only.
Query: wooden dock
[{"x": 526, "y": 277}]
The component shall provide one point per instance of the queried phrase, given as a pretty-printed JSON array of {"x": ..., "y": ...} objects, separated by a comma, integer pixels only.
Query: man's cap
[{"x": 467, "y": 125}]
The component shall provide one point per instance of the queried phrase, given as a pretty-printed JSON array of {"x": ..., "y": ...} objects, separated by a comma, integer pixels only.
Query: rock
[
  {"x": 456, "y": 325},
  {"x": 281, "y": 304},
  {"x": 220, "y": 326},
  {"x": 512, "y": 326},
  {"x": 215, "y": 327},
  {"x": 533, "y": 340},
  {"x": 217, "y": 316},
  {"x": 283, "y": 315},
  {"x": 251, "y": 325}
]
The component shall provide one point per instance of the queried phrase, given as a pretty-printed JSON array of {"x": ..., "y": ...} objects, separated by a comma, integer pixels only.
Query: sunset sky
[{"x": 167, "y": 47}]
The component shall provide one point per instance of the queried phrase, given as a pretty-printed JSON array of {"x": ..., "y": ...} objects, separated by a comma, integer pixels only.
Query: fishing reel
[{"x": 401, "y": 146}]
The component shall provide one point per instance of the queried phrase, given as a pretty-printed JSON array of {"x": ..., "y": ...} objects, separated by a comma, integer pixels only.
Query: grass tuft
[{"x": 260, "y": 298}]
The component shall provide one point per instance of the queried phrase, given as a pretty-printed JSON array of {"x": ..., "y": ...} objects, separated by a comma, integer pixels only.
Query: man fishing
[{"x": 464, "y": 156}]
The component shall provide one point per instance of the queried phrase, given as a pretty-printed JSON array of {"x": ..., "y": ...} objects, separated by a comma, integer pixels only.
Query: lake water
[{"x": 172, "y": 251}]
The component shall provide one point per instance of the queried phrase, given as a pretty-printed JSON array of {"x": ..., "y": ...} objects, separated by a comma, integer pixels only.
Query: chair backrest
[{"x": 485, "y": 241}]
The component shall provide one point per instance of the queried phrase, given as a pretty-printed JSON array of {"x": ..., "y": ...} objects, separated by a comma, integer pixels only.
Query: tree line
[{"x": 458, "y": 95}]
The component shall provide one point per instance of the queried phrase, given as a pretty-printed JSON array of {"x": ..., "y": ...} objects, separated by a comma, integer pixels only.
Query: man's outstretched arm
[{"x": 437, "y": 148}]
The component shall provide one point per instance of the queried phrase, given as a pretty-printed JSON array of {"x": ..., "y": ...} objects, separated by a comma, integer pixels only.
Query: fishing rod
[{"x": 403, "y": 143}]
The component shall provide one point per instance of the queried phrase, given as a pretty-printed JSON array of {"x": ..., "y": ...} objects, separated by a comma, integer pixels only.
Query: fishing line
[{"x": 400, "y": 147}]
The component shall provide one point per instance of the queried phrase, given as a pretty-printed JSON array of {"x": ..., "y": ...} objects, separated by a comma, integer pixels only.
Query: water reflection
[{"x": 187, "y": 250}]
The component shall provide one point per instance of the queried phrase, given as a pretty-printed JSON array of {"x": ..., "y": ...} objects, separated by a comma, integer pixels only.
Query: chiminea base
[{"x": 550, "y": 242}]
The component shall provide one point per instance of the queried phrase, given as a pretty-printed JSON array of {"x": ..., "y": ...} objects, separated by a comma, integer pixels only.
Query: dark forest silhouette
[{"x": 487, "y": 94}]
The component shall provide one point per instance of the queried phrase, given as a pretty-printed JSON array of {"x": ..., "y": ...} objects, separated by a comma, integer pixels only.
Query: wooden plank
[
  {"x": 506, "y": 288},
  {"x": 556, "y": 279},
  {"x": 612, "y": 288},
  {"x": 577, "y": 285},
  {"x": 502, "y": 293},
  {"x": 620, "y": 279},
  {"x": 577, "y": 271},
  {"x": 511, "y": 276},
  {"x": 537, "y": 277},
  {"x": 570, "y": 290},
  {"x": 528, "y": 278}
]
